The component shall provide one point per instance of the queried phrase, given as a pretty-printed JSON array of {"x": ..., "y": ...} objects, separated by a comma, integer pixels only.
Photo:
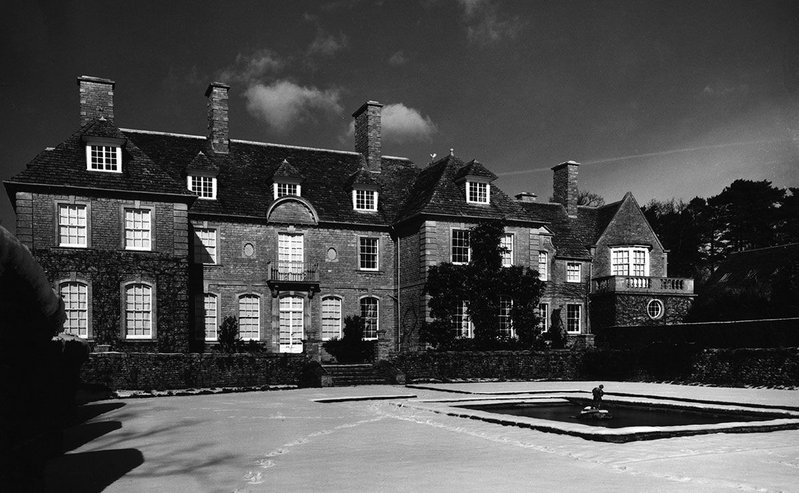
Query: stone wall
[{"x": 147, "y": 371}]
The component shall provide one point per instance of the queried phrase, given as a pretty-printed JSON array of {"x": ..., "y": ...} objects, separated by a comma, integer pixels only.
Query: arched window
[
  {"x": 76, "y": 305},
  {"x": 138, "y": 311},
  {"x": 331, "y": 318},
  {"x": 249, "y": 317},
  {"x": 210, "y": 310},
  {"x": 370, "y": 315}
]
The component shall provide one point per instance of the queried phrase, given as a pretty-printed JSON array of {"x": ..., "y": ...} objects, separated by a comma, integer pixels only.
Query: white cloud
[
  {"x": 283, "y": 104},
  {"x": 327, "y": 44},
  {"x": 251, "y": 67},
  {"x": 401, "y": 124},
  {"x": 398, "y": 58}
]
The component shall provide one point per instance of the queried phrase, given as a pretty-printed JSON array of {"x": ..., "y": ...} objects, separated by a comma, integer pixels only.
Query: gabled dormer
[
  {"x": 476, "y": 182},
  {"x": 201, "y": 177},
  {"x": 287, "y": 180},
  {"x": 103, "y": 143},
  {"x": 365, "y": 191}
]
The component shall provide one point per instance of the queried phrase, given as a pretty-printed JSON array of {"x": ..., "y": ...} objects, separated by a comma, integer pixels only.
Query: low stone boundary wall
[
  {"x": 503, "y": 365},
  {"x": 738, "y": 367},
  {"x": 162, "y": 371}
]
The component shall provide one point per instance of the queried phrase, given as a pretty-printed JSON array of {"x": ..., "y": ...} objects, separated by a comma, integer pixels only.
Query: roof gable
[{"x": 627, "y": 225}]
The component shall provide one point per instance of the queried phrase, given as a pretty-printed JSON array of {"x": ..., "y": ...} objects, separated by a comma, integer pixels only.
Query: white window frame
[
  {"x": 211, "y": 316},
  {"x": 452, "y": 246},
  {"x": 543, "y": 314},
  {"x": 113, "y": 152},
  {"x": 364, "y": 200},
  {"x": 543, "y": 265},
  {"x": 507, "y": 241},
  {"x": 367, "y": 332},
  {"x": 574, "y": 271},
  {"x": 623, "y": 261},
  {"x": 77, "y": 311},
  {"x": 579, "y": 318},
  {"x": 73, "y": 229},
  {"x": 129, "y": 233},
  {"x": 277, "y": 193},
  {"x": 363, "y": 255},
  {"x": 474, "y": 192},
  {"x": 661, "y": 309},
  {"x": 147, "y": 320},
  {"x": 249, "y": 303},
  {"x": 291, "y": 310},
  {"x": 505, "y": 318},
  {"x": 291, "y": 256},
  {"x": 203, "y": 186},
  {"x": 461, "y": 322},
  {"x": 328, "y": 334},
  {"x": 203, "y": 249}
]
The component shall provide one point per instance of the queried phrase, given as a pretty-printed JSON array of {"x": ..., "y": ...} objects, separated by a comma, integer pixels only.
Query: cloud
[
  {"x": 327, "y": 44},
  {"x": 485, "y": 24},
  {"x": 283, "y": 104},
  {"x": 401, "y": 124},
  {"x": 398, "y": 59},
  {"x": 251, "y": 67}
]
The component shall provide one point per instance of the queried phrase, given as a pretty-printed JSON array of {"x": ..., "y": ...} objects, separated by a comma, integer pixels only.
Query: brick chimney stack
[
  {"x": 368, "y": 134},
  {"x": 565, "y": 186},
  {"x": 526, "y": 197},
  {"x": 96, "y": 98},
  {"x": 218, "y": 131}
]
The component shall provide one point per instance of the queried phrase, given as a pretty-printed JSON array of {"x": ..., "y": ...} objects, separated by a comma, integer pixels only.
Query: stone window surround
[
  {"x": 196, "y": 238},
  {"x": 153, "y": 308},
  {"x": 543, "y": 260},
  {"x": 570, "y": 277},
  {"x": 452, "y": 247},
  {"x": 74, "y": 278},
  {"x": 660, "y": 309},
  {"x": 136, "y": 205},
  {"x": 579, "y": 318},
  {"x": 630, "y": 255},
  {"x": 377, "y": 315},
  {"x": 361, "y": 253},
  {"x": 205, "y": 295},
  {"x": 72, "y": 200},
  {"x": 340, "y": 301},
  {"x": 260, "y": 311},
  {"x": 512, "y": 253}
]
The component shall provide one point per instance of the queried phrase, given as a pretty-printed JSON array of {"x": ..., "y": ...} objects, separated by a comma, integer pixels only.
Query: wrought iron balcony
[
  {"x": 639, "y": 284},
  {"x": 288, "y": 276}
]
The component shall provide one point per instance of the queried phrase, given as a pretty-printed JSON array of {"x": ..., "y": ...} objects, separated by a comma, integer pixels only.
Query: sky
[{"x": 672, "y": 99}]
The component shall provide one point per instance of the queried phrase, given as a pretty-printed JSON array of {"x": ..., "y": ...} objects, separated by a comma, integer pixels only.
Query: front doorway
[{"x": 291, "y": 324}]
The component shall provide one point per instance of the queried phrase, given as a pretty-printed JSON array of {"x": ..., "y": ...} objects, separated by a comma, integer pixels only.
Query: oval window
[
  {"x": 249, "y": 249},
  {"x": 332, "y": 254},
  {"x": 654, "y": 309}
]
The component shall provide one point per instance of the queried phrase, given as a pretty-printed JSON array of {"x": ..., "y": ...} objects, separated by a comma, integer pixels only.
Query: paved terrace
[{"x": 286, "y": 440}]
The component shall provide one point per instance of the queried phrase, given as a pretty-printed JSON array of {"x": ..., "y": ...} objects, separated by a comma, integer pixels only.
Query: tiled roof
[
  {"x": 246, "y": 173},
  {"x": 572, "y": 236},
  {"x": 202, "y": 163},
  {"x": 475, "y": 168},
  {"x": 286, "y": 170},
  {"x": 436, "y": 192},
  {"x": 65, "y": 165}
]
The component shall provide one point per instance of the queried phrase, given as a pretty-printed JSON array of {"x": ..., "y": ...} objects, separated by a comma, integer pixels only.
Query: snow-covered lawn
[{"x": 285, "y": 441}]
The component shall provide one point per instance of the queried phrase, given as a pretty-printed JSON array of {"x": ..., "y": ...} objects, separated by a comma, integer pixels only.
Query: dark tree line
[{"x": 701, "y": 233}]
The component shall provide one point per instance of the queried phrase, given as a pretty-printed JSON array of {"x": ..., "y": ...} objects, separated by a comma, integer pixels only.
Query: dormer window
[
  {"x": 203, "y": 186},
  {"x": 478, "y": 192},
  {"x": 284, "y": 189},
  {"x": 364, "y": 200},
  {"x": 102, "y": 157}
]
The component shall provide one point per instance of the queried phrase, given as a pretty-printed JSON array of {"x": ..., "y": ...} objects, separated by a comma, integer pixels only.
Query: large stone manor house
[{"x": 152, "y": 238}]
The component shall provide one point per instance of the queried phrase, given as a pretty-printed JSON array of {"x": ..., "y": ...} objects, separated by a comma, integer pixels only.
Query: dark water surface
[{"x": 623, "y": 415}]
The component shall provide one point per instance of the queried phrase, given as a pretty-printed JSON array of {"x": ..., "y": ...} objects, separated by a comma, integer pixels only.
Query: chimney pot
[
  {"x": 565, "y": 186},
  {"x": 368, "y": 129},
  {"x": 218, "y": 130},
  {"x": 96, "y": 98}
]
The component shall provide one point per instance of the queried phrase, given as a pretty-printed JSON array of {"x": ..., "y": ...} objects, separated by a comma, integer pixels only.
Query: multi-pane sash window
[
  {"x": 76, "y": 306},
  {"x": 461, "y": 323},
  {"x": 572, "y": 272},
  {"x": 290, "y": 255},
  {"x": 204, "y": 186},
  {"x": 506, "y": 243},
  {"x": 477, "y": 192},
  {"x": 210, "y": 302},
  {"x": 291, "y": 324},
  {"x": 72, "y": 225},
  {"x": 629, "y": 261},
  {"x": 103, "y": 158},
  {"x": 369, "y": 314},
  {"x": 283, "y": 189},
  {"x": 505, "y": 321},
  {"x": 205, "y": 245},
  {"x": 460, "y": 246},
  {"x": 138, "y": 234},
  {"x": 573, "y": 318},
  {"x": 368, "y": 254},
  {"x": 543, "y": 316},
  {"x": 138, "y": 311},
  {"x": 249, "y": 317},
  {"x": 365, "y": 200},
  {"x": 543, "y": 266},
  {"x": 331, "y": 318}
]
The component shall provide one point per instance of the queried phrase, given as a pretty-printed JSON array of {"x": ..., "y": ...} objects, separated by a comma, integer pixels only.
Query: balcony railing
[
  {"x": 638, "y": 284},
  {"x": 300, "y": 272}
]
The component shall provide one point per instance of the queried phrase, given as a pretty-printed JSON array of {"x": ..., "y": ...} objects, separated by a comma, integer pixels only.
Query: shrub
[
  {"x": 229, "y": 334},
  {"x": 351, "y": 348}
]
